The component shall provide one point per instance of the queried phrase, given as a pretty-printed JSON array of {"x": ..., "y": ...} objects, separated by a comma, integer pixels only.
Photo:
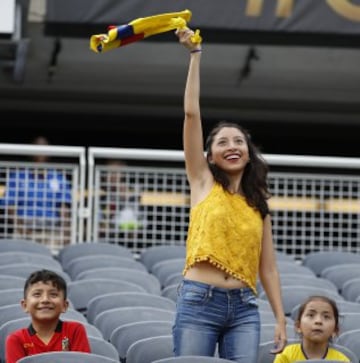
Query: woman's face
[{"x": 229, "y": 150}]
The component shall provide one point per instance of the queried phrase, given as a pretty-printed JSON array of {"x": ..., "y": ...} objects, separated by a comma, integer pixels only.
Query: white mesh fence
[{"x": 144, "y": 206}]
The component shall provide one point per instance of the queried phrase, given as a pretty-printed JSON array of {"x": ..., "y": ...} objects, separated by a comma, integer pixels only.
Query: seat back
[
  {"x": 125, "y": 335},
  {"x": 350, "y": 340},
  {"x": 109, "y": 320},
  {"x": 143, "y": 278},
  {"x": 149, "y": 349},
  {"x": 8, "y": 328},
  {"x": 66, "y": 357},
  {"x": 84, "y": 263},
  {"x": 104, "y": 348},
  {"x": 69, "y": 252},
  {"x": 150, "y": 256},
  {"x": 192, "y": 359},
  {"x": 319, "y": 260},
  {"x": 11, "y": 282},
  {"x": 20, "y": 245},
  {"x": 114, "y": 300},
  {"x": 82, "y": 291}
]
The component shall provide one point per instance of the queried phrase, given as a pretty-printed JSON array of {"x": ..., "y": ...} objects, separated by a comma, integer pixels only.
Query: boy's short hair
[{"x": 46, "y": 276}]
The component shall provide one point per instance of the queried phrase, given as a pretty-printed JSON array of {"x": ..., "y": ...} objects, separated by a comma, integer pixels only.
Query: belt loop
[
  {"x": 180, "y": 286},
  {"x": 211, "y": 290}
]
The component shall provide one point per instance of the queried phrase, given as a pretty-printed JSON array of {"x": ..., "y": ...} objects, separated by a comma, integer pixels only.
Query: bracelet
[{"x": 195, "y": 50}]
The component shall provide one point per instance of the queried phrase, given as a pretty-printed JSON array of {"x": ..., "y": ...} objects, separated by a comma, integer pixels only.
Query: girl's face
[
  {"x": 229, "y": 150},
  {"x": 317, "y": 323}
]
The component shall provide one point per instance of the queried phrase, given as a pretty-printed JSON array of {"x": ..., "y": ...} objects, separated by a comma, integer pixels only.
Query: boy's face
[{"x": 44, "y": 301}]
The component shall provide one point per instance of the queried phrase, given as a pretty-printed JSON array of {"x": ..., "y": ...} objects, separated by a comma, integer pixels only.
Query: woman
[{"x": 229, "y": 240}]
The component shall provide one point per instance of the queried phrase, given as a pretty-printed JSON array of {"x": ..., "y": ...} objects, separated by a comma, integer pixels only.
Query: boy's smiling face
[{"x": 44, "y": 301}]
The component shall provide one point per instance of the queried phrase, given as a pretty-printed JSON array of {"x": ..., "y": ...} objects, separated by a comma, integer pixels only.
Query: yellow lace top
[{"x": 227, "y": 232}]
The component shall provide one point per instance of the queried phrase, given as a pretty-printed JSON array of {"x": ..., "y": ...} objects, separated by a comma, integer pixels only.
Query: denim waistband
[{"x": 212, "y": 288}]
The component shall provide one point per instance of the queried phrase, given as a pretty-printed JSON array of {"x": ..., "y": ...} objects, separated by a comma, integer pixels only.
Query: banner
[{"x": 330, "y": 17}]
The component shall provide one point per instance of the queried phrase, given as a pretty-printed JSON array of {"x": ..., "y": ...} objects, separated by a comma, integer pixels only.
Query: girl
[
  {"x": 229, "y": 241},
  {"x": 317, "y": 323}
]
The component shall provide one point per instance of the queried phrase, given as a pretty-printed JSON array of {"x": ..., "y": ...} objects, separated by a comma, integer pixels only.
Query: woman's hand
[{"x": 185, "y": 36}]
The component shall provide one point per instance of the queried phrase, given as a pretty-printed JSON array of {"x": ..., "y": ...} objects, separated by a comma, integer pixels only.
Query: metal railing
[{"x": 140, "y": 197}]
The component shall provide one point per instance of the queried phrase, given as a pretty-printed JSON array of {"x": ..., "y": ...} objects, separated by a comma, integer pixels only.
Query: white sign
[{"x": 7, "y": 16}]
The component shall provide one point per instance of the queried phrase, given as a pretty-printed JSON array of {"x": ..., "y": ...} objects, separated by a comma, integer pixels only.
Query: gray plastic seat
[
  {"x": 11, "y": 282},
  {"x": 11, "y": 296},
  {"x": 170, "y": 292},
  {"x": 39, "y": 259},
  {"x": 319, "y": 260},
  {"x": 350, "y": 340},
  {"x": 349, "y": 321},
  {"x": 150, "y": 256},
  {"x": 109, "y": 301},
  {"x": 143, "y": 278},
  {"x": 192, "y": 359},
  {"x": 104, "y": 348},
  {"x": 339, "y": 274},
  {"x": 25, "y": 269},
  {"x": 66, "y": 357},
  {"x": 289, "y": 267},
  {"x": 306, "y": 280},
  {"x": 350, "y": 290},
  {"x": 22, "y": 245},
  {"x": 165, "y": 268},
  {"x": 82, "y": 291},
  {"x": 148, "y": 350},
  {"x": 69, "y": 252},
  {"x": 174, "y": 278},
  {"x": 291, "y": 295},
  {"x": 108, "y": 320},
  {"x": 127, "y": 334},
  {"x": 85, "y": 263}
]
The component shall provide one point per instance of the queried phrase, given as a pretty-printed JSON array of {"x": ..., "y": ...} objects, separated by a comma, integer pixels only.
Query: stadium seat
[
  {"x": 350, "y": 340},
  {"x": 339, "y": 274},
  {"x": 127, "y": 334},
  {"x": 80, "y": 292},
  {"x": 11, "y": 282},
  {"x": 150, "y": 256},
  {"x": 319, "y": 260},
  {"x": 84, "y": 263},
  {"x": 39, "y": 259},
  {"x": 20, "y": 245},
  {"x": 109, "y": 301},
  {"x": 69, "y": 252},
  {"x": 104, "y": 348},
  {"x": 350, "y": 290},
  {"x": 109, "y": 320},
  {"x": 192, "y": 359},
  {"x": 148, "y": 350},
  {"x": 66, "y": 357},
  {"x": 143, "y": 278}
]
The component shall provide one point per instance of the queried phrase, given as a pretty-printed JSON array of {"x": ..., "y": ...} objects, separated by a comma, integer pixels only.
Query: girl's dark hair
[
  {"x": 46, "y": 276},
  {"x": 254, "y": 180},
  {"x": 326, "y": 299}
]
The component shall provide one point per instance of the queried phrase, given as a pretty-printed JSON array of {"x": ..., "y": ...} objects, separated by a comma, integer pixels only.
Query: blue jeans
[{"x": 207, "y": 315}]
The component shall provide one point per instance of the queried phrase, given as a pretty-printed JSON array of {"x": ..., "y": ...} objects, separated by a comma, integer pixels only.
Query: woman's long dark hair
[{"x": 254, "y": 180}]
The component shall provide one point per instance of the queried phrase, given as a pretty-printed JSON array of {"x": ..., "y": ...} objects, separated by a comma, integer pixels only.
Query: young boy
[{"x": 45, "y": 299}]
